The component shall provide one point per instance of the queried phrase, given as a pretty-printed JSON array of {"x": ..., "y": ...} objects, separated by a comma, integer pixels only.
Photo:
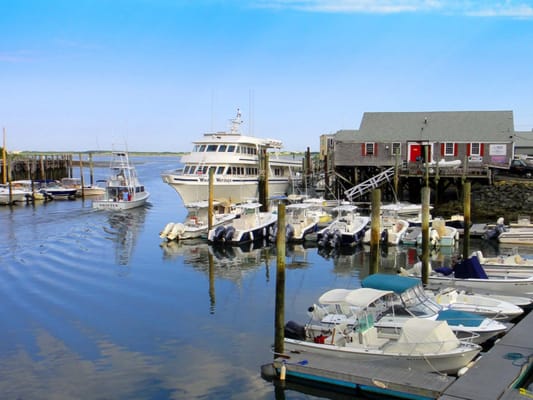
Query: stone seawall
[{"x": 502, "y": 199}]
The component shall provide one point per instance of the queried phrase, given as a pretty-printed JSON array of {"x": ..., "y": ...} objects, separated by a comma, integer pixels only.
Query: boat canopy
[
  {"x": 396, "y": 283},
  {"x": 469, "y": 268},
  {"x": 334, "y": 296},
  {"x": 363, "y": 297}
]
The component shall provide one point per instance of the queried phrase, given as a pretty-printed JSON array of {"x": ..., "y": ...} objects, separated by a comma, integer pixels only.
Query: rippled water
[{"x": 93, "y": 306}]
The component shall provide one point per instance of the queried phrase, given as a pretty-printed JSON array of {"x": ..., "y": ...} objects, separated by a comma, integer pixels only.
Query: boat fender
[
  {"x": 219, "y": 234},
  {"x": 230, "y": 231}
]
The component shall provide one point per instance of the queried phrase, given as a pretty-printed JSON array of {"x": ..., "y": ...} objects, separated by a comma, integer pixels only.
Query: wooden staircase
[{"x": 369, "y": 184}]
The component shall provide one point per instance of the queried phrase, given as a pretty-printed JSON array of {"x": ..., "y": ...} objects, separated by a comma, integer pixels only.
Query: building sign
[{"x": 498, "y": 150}]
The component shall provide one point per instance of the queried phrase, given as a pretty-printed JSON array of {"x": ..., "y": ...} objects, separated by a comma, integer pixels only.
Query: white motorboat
[
  {"x": 196, "y": 224},
  {"x": 412, "y": 300},
  {"x": 392, "y": 230},
  {"x": 419, "y": 344},
  {"x": 54, "y": 189},
  {"x": 440, "y": 234},
  {"x": 488, "y": 306},
  {"x": 11, "y": 195},
  {"x": 252, "y": 225},
  {"x": 237, "y": 164},
  {"x": 123, "y": 189},
  {"x": 471, "y": 275},
  {"x": 347, "y": 228},
  {"x": 86, "y": 190},
  {"x": 300, "y": 220}
]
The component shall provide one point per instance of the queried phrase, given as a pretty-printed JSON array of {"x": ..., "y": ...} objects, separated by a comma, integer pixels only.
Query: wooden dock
[{"x": 493, "y": 376}]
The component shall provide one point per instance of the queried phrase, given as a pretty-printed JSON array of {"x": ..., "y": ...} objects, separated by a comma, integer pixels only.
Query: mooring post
[
  {"x": 425, "y": 234},
  {"x": 212, "y": 298},
  {"x": 467, "y": 220},
  {"x": 279, "y": 335},
  {"x": 82, "y": 181},
  {"x": 210, "y": 199},
  {"x": 375, "y": 225}
]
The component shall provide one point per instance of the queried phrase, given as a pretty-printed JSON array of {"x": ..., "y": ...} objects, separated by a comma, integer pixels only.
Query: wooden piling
[
  {"x": 210, "y": 199},
  {"x": 82, "y": 181},
  {"x": 425, "y": 234},
  {"x": 467, "y": 219},
  {"x": 375, "y": 226},
  {"x": 212, "y": 298},
  {"x": 280, "y": 282}
]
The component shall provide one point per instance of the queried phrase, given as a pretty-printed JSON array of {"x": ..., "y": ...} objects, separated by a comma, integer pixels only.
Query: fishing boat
[
  {"x": 488, "y": 306},
  {"x": 347, "y": 228},
  {"x": 196, "y": 223},
  {"x": 251, "y": 225},
  {"x": 236, "y": 161},
  {"x": 412, "y": 300},
  {"x": 392, "y": 229},
  {"x": 54, "y": 189},
  {"x": 470, "y": 274},
  {"x": 300, "y": 221},
  {"x": 123, "y": 189},
  {"x": 419, "y": 344}
]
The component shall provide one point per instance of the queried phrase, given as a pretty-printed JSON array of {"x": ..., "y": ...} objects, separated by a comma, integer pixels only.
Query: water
[{"x": 93, "y": 307}]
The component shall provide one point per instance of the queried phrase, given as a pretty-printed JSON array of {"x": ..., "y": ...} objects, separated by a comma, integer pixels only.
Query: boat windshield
[{"x": 416, "y": 301}]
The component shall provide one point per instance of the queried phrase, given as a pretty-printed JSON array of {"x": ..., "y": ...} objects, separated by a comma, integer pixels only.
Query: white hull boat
[
  {"x": 123, "y": 189},
  {"x": 236, "y": 162},
  {"x": 392, "y": 230},
  {"x": 460, "y": 300},
  {"x": 252, "y": 225},
  {"x": 412, "y": 300},
  {"x": 196, "y": 225},
  {"x": 470, "y": 274},
  {"x": 420, "y": 344},
  {"x": 347, "y": 228},
  {"x": 11, "y": 196},
  {"x": 300, "y": 221}
]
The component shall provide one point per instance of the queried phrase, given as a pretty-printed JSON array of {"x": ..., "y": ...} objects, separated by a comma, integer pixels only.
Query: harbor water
[{"x": 96, "y": 306}]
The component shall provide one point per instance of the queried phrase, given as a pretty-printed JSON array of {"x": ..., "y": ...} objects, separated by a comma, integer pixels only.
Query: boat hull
[
  {"x": 113, "y": 204},
  {"x": 196, "y": 189},
  {"x": 445, "y": 363}
]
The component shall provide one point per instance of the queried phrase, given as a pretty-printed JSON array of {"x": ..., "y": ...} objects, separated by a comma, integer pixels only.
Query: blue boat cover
[
  {"x": 469, "y": 268},
  {"x": 395, "y": 283},
  {"x": 454, "y": 318}
]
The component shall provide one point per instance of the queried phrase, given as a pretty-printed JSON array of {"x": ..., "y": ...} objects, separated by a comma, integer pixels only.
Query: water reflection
[{"x": 123, "y": 230}]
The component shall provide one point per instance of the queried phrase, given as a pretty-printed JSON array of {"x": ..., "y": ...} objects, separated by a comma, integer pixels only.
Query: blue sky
[{"x": 87, "y": 74}]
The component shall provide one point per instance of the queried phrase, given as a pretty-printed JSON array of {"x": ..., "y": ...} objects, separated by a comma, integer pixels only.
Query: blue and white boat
[{"x": 413, "y": 301}]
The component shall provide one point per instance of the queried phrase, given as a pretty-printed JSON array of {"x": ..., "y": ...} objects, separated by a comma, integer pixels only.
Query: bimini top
[
  {"x": 363, "y": 297},
  {"x": 396, "y": 283}
]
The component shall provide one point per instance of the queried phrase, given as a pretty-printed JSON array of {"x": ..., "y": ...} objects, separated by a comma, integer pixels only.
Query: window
[
  {"x": 220, "y": 170},
  {"x": 449, "y": 149},
  {"x": 222, "y": 148},
  {"x": 369, "y": 149},
  {"x": 475, "y": 149},
  {"x": 396, "y": 148},
  {"x": 212, "y": 148},
  {"x": 202, "y": 148},
  {"x": 231, "y": 148}
]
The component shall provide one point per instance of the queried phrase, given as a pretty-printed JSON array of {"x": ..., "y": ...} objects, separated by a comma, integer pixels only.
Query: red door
[{"x": 415, "y": 152}]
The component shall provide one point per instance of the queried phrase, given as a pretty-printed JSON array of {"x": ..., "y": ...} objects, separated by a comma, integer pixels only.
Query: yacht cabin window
[
  {"x": 231, "y": 148},
  {"x": 202, "y": 148},
  {"x": 220, "y": 170},
  {"x": 212, "y": 148},
  {"x": 222, "y": 148}
]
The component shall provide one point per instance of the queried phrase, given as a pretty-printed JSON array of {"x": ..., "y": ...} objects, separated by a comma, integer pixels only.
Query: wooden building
[{"x": 450, "y": 145}]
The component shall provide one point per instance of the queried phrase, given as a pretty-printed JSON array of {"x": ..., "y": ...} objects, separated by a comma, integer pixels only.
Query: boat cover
[
  {"x": 423, "y": 336},
  {"x": 469, "y": 268},
  {"x": 334, "y": 296},
  {"x": 395, "y": 283}
]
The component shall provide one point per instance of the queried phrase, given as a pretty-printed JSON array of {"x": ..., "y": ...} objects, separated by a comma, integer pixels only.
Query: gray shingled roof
[{"x": 456, "y": 126}]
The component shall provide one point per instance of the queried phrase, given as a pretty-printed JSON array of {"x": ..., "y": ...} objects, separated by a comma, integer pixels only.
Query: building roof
[{"x": 453, "y": 126}]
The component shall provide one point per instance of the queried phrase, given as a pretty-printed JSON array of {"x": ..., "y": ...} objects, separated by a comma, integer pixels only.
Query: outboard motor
[
  {"x": 384, "y": 236},
  {"x": 336, "y": 238},
  {"x": 324, "y": 239},
  {"x": 273, "y": 232},
  {"x": 293, "y": 330},
  {"x": 230, "y": 231},
  {"x": 220, "y": 232},
  {"x": 289, "y": 232}
]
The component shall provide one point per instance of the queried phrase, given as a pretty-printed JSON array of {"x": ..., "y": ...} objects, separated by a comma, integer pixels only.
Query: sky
[{"x": 157, "y": 74}]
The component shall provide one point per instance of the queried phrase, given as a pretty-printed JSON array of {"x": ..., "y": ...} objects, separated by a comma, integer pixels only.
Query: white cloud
[{"x": 478, "y": 8}]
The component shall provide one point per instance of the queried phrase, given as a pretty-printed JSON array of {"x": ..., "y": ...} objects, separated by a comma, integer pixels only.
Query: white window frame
[
  {"x": 446, "y": 148},
  {"x": 370, "y": 146},
  {"x": 478, "y": 152}
]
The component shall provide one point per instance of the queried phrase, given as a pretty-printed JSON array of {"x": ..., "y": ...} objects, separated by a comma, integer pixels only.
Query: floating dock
[{"x": 499, "y": 373}]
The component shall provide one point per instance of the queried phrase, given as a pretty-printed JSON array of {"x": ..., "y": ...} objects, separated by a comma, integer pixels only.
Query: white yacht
[{"x": 236, "y": 161}]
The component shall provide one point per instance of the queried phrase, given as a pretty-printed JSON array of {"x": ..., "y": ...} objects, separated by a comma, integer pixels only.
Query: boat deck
[{"x": 491, "y": 377}]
